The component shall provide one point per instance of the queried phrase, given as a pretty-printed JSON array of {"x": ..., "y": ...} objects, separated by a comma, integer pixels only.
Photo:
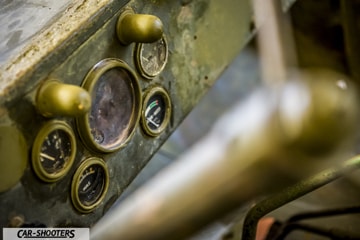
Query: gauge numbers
[
  {"x": 53, "y": 151},
  {"x": 156, "y": 113},
  {"x": 90, "y": 184},
  {"x": 151, "y": 58}
]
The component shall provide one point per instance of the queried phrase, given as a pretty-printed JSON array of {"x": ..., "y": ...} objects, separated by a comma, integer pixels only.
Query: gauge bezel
[
  {"x": 148, "y": 94},
  {"x": 138, "y": 64},
  {"x": 37, "y": 145},
  {"x": 76, "y": 183},
  {"x": 88, "y": 84}
]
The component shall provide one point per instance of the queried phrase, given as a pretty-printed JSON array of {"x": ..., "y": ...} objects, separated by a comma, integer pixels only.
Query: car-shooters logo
[
  {"x": 53, "y": 233},
  {"x": 46, "y": 233}
]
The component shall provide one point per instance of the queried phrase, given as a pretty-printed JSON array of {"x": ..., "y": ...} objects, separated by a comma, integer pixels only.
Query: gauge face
[
  {"x": 115, "y": 106},
  {"x": 156, "y": 111},
  {"x": 53, "y": 151},
  {"x": 152, "y": 57},
  {"x": 90, "y": 184},
  {"x": 112, "y": 107}
]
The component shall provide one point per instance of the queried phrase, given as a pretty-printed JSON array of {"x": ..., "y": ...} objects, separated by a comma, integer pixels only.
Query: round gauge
[
  {"x": 115, "y": 108},
  {"x": 53, "y": 151},
  {"x": 156, "y": 111},
  {"x": 151, "y": 58},
  {"x": 90, "y": 184}
]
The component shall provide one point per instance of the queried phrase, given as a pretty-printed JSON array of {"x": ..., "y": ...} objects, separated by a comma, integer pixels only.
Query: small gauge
[
  {"x": 53, "y": 151},
  {"x": 151, "y": 58},
  {"x": 115, "y": 108},
  {"x": 156, "y": 111},
  {"x": 90, "y": 184}
]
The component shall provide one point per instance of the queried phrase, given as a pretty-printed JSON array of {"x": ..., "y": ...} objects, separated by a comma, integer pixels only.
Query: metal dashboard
[{"x": 67, "y": 44}]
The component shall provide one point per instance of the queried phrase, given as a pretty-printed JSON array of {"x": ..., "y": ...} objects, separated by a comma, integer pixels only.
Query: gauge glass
[
  {"x": 156, "y": 111},
  {"x": 115, "y": 106},
  {"x": 53, "y": 151},
  {"x": 90, "y": 184},
  {"x": 152, "y": 57},
  {"x": 112, "y": 108}
]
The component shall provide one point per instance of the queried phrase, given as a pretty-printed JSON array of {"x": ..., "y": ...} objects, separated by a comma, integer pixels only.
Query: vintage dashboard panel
[{"x": 82, "y": 111}]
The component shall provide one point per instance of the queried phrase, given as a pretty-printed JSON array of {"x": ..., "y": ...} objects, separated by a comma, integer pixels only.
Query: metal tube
[
  {"x": 259, "y": 147},
  {"x": 298, "y": 190},
  {"x": 197, "y": 188}
]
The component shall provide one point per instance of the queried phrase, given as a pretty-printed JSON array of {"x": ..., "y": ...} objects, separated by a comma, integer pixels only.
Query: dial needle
[
  {"x": 151, "y": 121},
  {"x": 44, "y": 155}
]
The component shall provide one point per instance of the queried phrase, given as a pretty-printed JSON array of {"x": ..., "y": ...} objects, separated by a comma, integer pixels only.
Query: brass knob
[
  {"x": 59, "y": 99},
  {"x": 13, "y": 156},
  {"x": 140, "y": 28}
]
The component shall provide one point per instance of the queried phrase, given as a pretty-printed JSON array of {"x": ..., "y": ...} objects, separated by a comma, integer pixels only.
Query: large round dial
[
  {"x": 53, "y": 151},
  {"x": 90, "y": 183},
  {"x": 151, "y": 58},
  {"x": 115, "y": 108},
  {"x": 156, "y": 111}
]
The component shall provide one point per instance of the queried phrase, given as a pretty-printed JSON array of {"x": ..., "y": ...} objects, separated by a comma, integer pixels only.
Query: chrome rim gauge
[
  {"x": 151, "y": 58},
  {"x": 115, "y": 108},
  {"x": 156, "y": 111},
  {"x": 53, "y": 151},
  {"x": 90, "y": 184}
]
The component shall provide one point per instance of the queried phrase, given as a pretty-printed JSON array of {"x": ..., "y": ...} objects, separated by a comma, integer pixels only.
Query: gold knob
[
  {"x": 59, "y": 99},
  {"x": 140, "y": 28},
  {"x": 13, "y": 156}
]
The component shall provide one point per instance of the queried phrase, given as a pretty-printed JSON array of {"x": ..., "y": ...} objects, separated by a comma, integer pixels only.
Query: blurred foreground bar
[{"x": 273, "y": 140}]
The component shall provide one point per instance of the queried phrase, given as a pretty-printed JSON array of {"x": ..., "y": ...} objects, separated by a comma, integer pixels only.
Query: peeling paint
[
  {"x": 194, "y": 63},
  {"x": 45, "y": 42}
]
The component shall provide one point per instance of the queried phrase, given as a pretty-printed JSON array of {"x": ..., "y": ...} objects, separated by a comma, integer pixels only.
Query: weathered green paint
[
  {"x": 13, "y": 156},
  {"x": 203, "y": 38}
]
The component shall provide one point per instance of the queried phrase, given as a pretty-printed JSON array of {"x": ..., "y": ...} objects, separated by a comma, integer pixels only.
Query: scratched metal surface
[
  {"x": 27, "y": 62},
  {"x": 21, "y": 20},
  {"x": 203, "y": 36}
]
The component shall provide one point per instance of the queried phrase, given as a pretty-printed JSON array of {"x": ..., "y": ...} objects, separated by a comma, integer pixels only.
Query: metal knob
[
  {"x": 13, "y": 156},
  {"x": 59, "y": 99},
  {"x": 140, "y": 28}
]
